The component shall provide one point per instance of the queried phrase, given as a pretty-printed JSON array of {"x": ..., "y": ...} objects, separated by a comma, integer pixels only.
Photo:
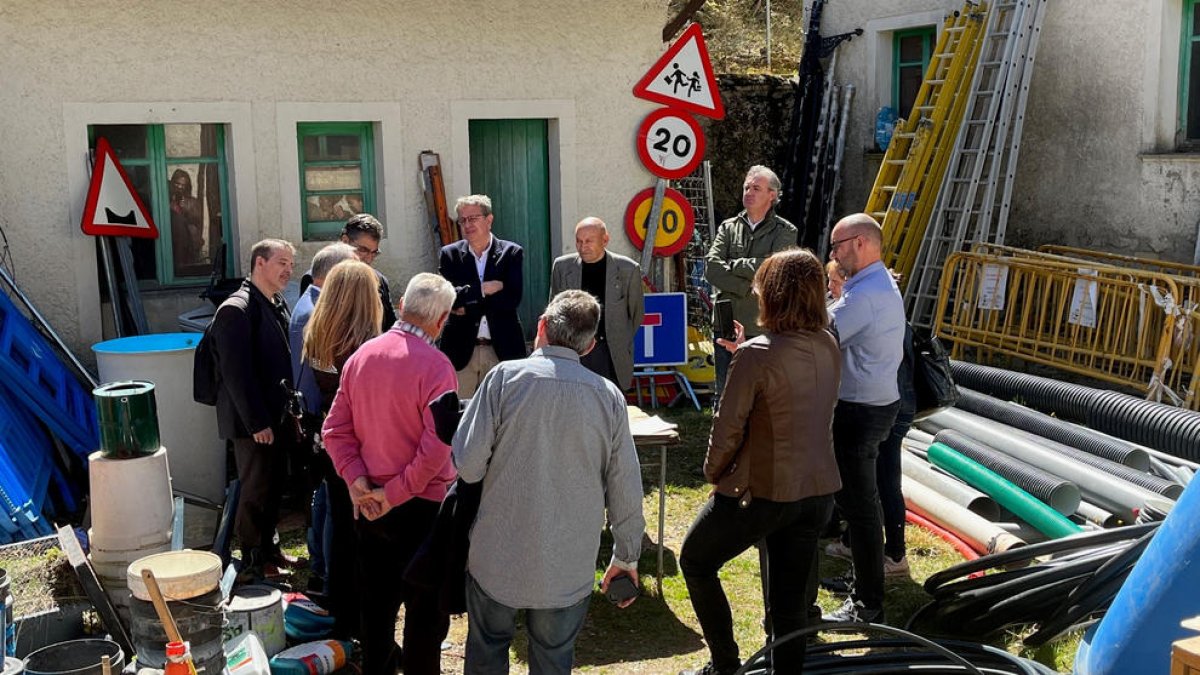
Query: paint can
[
  {"x": 257, "y": 608},
  {"x": 128, "y": 419}
]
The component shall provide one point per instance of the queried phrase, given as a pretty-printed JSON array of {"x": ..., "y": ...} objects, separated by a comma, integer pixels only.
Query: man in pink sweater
[{"x": 381, "y": 437}]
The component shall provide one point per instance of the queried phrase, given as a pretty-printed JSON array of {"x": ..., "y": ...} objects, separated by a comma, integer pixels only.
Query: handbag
[{"x": 933, "y": 383}]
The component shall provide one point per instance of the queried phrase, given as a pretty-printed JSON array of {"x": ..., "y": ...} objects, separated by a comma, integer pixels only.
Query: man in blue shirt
[{"x": 869, "y": 319}]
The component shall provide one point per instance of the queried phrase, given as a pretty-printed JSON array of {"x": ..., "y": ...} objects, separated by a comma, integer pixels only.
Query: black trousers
[
  {"x": 385, "y": 547},
  {"x": 262, "y": 471},
  {"x": 721, "y": 532},
  {"x": 599, "y": 361},
  {"x": 857, "y": 432},
  {"x": 341, "y": 580}
]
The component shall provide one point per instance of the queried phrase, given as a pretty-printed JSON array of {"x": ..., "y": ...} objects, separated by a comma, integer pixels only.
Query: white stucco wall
[
  {"x": 419, "y": 70},
  {"x": 1098, "y": 166}
]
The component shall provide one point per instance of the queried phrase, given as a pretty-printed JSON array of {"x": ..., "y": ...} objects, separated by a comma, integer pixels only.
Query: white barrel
[
  {"x": 188, "y": 429},
  {"x": 131, "y": 501},
  {"x": 257, "y": 609}
]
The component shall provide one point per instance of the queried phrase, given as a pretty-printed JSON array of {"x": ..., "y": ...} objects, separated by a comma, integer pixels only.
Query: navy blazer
[{"x": 457, "y": 265}]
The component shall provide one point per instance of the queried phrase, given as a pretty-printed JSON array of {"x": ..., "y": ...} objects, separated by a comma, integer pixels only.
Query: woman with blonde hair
[
  {"x": 770, "y": 458},
  {"x": 347, "y": 314}
]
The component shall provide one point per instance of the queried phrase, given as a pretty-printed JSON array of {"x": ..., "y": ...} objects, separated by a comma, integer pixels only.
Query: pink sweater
[{"x": 380, "y": 425}]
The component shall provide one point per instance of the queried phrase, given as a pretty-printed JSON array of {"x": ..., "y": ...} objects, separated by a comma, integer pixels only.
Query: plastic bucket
[
  {"x": 188, "y": 429},
  {"x": 75, "y": 657},
  {"x": 128, "y": 419},
  {"x": 131, "y": 501},
  {"x": 181, "y": 575},
  {"x": 257, "y": 609}
]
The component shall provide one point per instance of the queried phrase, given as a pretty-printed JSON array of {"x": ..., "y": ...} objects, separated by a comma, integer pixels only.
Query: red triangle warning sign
[
  {"x": 113, "y": 207},
  {"x": 683, "y": 77}
]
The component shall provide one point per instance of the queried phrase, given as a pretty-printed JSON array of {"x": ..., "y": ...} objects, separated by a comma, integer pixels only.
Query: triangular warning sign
[
  {"x": 113, "y": 207},
  {"x": 683, "y": 78}
]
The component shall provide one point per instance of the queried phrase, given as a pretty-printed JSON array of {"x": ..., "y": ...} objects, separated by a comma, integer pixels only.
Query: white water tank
[{"x": 188, "y": 429}]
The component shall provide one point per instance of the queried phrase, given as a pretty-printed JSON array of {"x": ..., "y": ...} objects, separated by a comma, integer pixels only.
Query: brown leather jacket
[{"x": 773, "y": 436}]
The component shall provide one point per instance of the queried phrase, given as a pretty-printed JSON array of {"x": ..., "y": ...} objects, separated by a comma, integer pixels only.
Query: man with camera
[
  {"x": 250, "y": 334},
  {"x": 550, "y": 440},
  {"x": 741, "y": 245}
]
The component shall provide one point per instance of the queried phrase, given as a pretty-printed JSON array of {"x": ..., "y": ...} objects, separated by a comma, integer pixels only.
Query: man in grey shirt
[
  {"x": 869, "y": 320},
  {"x": 550, "y": 440}
]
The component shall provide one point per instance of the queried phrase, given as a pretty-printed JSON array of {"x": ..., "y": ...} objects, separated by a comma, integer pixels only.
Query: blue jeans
[
  {"x": 318, "y": 539},
  {"x": 491, "y": 626},
  {"x": 858, "y": 431}
]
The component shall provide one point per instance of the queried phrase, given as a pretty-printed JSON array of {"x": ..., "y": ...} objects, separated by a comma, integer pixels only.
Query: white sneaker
[
  {"x": 895, "y": 568},
  {"x": 837, "y": 549}
]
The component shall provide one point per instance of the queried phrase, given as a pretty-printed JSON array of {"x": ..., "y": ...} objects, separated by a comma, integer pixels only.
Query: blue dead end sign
[{"x": 662, "y": 338}]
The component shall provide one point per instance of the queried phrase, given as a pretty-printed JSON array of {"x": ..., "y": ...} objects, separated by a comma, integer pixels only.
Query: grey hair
[
  {"x": 571, "y": 320},
  {"x": 772, "y": 179},
  {"x": 329, "y": 256},
  {"x": 426, "y": 298},
  {"x": 482, "y": 201}
]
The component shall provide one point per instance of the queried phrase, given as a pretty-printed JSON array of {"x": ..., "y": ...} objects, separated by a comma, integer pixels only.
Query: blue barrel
[{"x": 1136, "y": 633}]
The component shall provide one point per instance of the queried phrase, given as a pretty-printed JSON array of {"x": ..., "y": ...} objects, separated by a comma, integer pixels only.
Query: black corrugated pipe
[
  {"x": 1149, "y": 481},
  {"x": 1060, "y": 494},
  {"x": 1175, "y": 431},
  {"x": 1087, "y": 440}
]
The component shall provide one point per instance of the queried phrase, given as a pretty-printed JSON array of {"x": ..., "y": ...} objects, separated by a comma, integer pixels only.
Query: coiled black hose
[
  {"x": 1061, "y": 494},
  {"x": 1055, "y": 429},
  {"x": 1053, "y": 594},
  {"x": 1175, "y": 431}
]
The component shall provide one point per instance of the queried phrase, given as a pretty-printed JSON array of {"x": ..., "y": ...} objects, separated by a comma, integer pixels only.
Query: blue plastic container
[{"x": 1162, "y": 590}]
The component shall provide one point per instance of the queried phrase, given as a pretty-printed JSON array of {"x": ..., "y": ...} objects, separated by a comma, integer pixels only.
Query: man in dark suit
[
  {"x": 250, "y": 333},
  {"x": 486, "y": 272},
  {"x": 614, "y": 280}
]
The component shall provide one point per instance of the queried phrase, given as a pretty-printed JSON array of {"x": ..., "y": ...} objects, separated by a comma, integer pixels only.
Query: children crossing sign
[{"x": 683, "y": 78}]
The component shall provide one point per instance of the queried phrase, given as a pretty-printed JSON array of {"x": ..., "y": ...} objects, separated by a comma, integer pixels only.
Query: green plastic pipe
[{"x": 1024, "y": 505}]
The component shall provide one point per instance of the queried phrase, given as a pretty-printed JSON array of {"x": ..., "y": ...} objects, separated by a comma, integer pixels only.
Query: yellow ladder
[{"x": 903, "y": 204}]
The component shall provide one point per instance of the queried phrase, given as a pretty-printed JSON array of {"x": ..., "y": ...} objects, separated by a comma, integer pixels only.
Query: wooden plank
[
  {"x": 675, "y": 25},
  {"x": 91, "y": 586}
]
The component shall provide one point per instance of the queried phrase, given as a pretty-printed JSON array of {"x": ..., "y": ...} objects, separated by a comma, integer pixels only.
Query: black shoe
[
  {"x": 853, "y": 611},
  {"x": 839, "y": 585},
  {"x": 707, "y": 669}
]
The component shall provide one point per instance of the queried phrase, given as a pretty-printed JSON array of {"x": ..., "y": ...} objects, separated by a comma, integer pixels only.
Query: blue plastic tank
[{"x": 1162, "y": 590}]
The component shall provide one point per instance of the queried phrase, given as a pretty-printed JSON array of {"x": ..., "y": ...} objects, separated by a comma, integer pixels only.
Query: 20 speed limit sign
[
  {"x": 675, "y": 224},
  {"x": 670, "y": 143}
]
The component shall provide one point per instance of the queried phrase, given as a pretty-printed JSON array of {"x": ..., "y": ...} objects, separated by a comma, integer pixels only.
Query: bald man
[
  {"x": 869, "y": 321},
  {"x": 616, "y": 281}
]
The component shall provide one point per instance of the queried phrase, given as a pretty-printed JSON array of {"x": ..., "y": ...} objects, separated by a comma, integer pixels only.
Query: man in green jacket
[{"x": 742, "y": 244}]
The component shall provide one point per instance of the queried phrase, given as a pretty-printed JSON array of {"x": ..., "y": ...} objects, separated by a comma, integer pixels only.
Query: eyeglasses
[
  {"x": 470, "y": 220},
  {"x": 838, "y": 242},
  {"x": 364, "y": 251}
]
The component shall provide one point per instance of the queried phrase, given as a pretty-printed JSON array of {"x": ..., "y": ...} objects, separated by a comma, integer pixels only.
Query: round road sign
[
  {"x": 675, "y": 224},
  {"x": 670, "y": 143}
]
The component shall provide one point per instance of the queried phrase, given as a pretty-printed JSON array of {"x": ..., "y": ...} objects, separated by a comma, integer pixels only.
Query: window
[
  {"x": 179, "y": 172},
  {"x": 911, "y": 49},
  {"x": 1189, "y": 75},
  {"x": 337, "y": 175}
]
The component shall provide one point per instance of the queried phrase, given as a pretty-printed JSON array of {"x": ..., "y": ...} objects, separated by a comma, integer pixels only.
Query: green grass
[{"x": 661, "y": 635}]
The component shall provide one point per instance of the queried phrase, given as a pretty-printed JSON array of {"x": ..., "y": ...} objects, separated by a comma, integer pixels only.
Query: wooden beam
[{"x": 675, "y": 25}]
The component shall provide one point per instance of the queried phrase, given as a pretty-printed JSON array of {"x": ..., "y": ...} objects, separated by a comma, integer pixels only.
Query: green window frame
[
  {"x": 324, "y": 210},
  {"x": 928, "y": 37},
  {"x": 154, "y": 259},
  {"x": 1188, "y": 132}
]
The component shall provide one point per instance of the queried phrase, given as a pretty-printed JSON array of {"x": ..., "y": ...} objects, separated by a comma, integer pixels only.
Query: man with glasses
[
  {"x": 363, "y": 232},
  {"x": 487, "y": 275},
  {"x": 742, "y": 243},
  {"x": 869, "y": 321}
]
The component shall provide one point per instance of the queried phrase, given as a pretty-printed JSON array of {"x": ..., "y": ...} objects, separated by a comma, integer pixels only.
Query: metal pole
[
  {"x": 660, "y": 190},
  {"x": 768, "y": 36},
  {"x": 37, "y": 316},
  {"x": 110, "y": 278}
]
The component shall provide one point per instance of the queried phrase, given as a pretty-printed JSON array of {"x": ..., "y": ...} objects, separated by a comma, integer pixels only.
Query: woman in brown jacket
[{"x": 771, "y": 459}]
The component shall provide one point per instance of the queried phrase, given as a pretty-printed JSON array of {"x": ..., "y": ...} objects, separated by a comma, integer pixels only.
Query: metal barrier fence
[
  {"x": 1164, "y": 266},
  {"x": 1118, "y": 324}
]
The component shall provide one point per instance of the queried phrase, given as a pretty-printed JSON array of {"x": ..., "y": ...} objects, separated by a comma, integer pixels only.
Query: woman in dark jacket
[{"x": 770, "y": 457}]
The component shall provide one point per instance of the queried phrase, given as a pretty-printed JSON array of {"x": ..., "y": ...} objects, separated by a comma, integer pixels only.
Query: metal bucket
[
  {"x": 128, "y": 419},
  {"x": 259, "y": 609}
]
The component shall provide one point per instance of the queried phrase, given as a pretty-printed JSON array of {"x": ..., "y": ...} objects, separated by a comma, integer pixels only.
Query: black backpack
[
  {"x": 206, "y": 376},
  {"x": 932, "y": 381}
]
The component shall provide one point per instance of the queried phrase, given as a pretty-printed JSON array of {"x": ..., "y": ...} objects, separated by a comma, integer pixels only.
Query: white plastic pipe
[
  {"x": 953, "y": 489},
  {"x": 981, "y": 534}
]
